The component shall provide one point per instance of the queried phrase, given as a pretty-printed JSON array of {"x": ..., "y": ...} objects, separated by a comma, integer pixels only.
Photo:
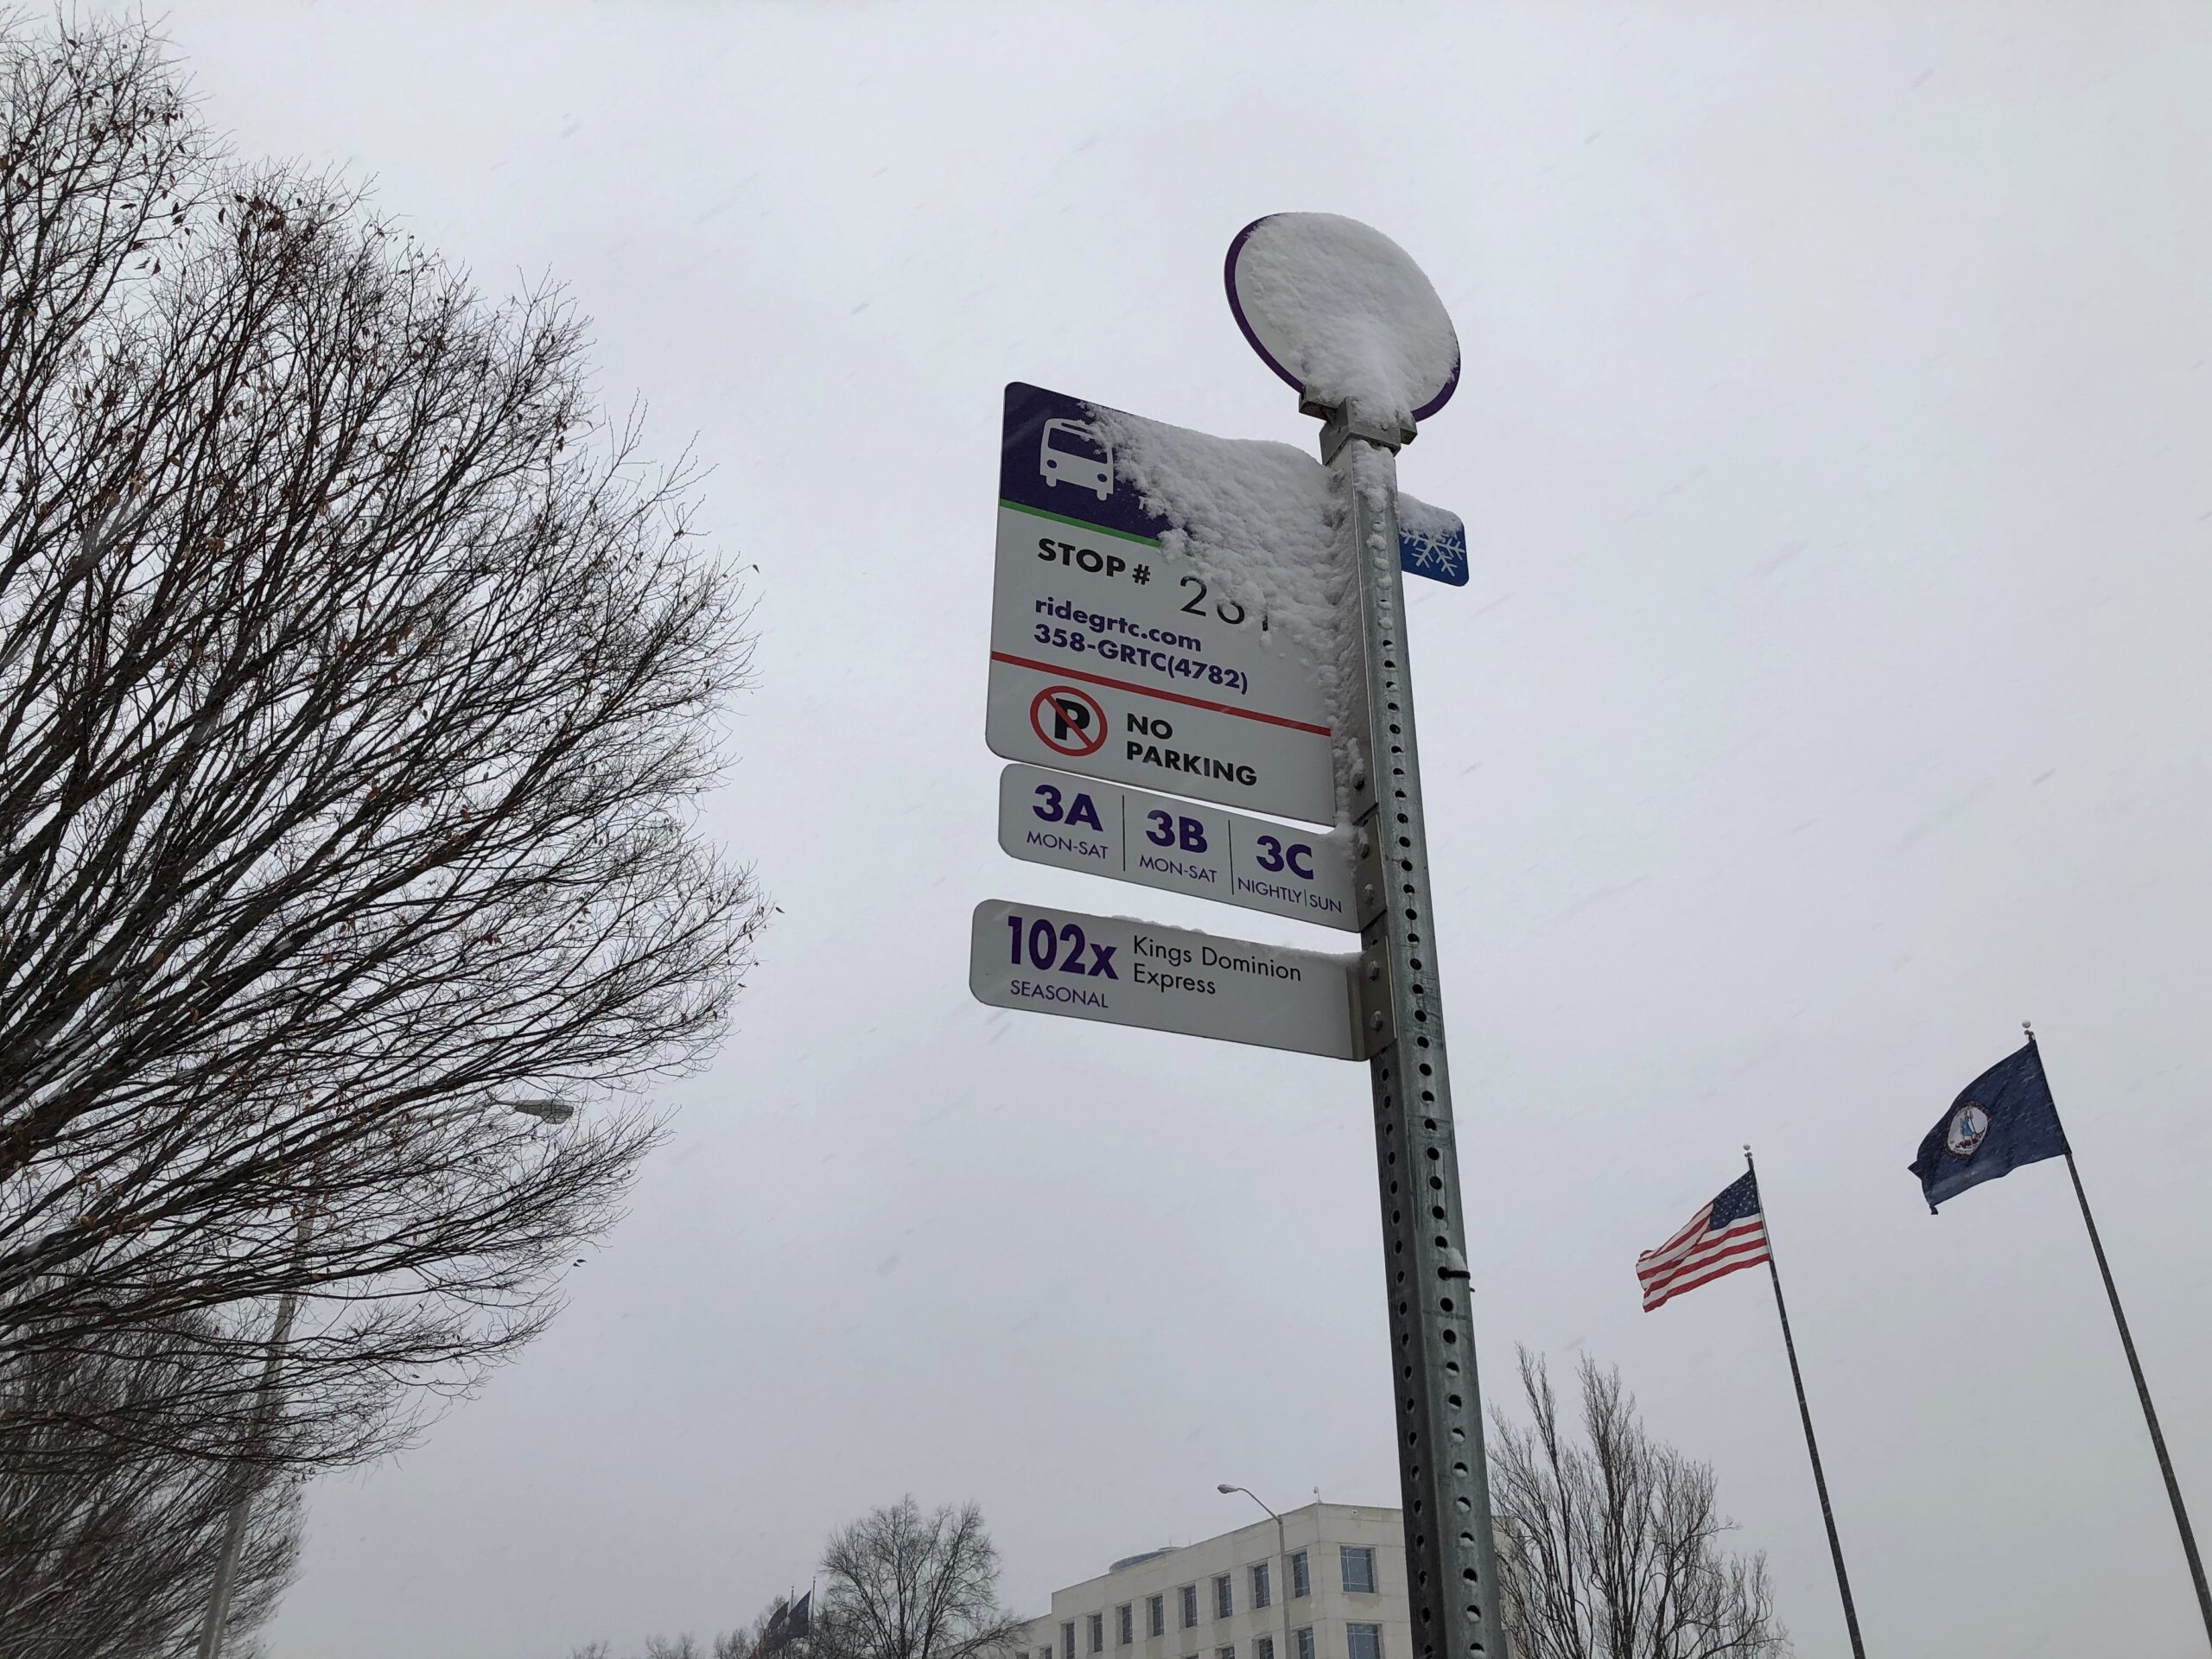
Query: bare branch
[
  {"x": 358, "y": 689},
  {"x": 901, "y": 1585},
  {"x": 106, "y": 1548},
  {"x": 1612, "y": 1547}
]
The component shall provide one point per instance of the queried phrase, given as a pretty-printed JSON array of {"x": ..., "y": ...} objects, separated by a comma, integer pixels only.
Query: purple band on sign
[
  {"x": 1236, "y": 306},
  {"x": 1441, "y": 398}
]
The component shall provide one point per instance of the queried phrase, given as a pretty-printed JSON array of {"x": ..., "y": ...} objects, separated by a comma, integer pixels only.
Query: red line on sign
[{"x": 1168, "y": 696}]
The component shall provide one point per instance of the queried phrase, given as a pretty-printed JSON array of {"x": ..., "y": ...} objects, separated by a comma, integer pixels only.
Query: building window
[
  {"x": 1305, "y": 1643},
  {"x": 1261, "y": 1590},
  {"x": 1263, "y": 1647},
  {"x": 1155, "y": 1615},
  {"x": 1125, "y": 1624},
  {"x": 1098, "y": 1632},
  {"x": 1363, "y": 1642},
  {"x": 1358, "y": 1564},
  {"x": 1229, "y": 1652},
  {"x": 1224, "y": 1597},
  {"x": 1190, "y": 1593},
  {"x": 1067, "y": 1640},
  {"x": 1302, "y": 1583}
]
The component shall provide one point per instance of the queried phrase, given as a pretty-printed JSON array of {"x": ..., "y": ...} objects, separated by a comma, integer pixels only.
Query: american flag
[{"x": 1727, "y": 1234}]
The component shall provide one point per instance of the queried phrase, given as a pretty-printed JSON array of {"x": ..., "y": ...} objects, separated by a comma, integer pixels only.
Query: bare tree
[
  {"x": 734, "y": 1644},
  {"x": 1611, "y": 1548},
  {"x": 356, "y": 691},
  {"x": 902, "y": 1584},
  {"x": 106, "y": 1549}
]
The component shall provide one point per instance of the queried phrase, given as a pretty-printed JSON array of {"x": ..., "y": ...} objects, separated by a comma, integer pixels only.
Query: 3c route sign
[
  {"x": 1125, "y": 973},
  {"x": 1111, "y": 656},
  {"x": 1051, "y": 818}
]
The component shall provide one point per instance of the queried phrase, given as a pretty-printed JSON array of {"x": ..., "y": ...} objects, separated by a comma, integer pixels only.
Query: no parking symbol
[{"x": 1068, "y": 721}]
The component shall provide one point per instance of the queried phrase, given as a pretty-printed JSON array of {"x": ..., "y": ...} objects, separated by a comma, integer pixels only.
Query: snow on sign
[
  {"x": 1050, "y": 817},
  {"x": 1342, "y": 313},
  {"x": 1127, "y": 973},
  {"x": 1112, "y": 656}
]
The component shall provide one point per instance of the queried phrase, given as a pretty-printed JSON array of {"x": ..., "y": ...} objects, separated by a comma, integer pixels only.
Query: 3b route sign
[
  {"x": 1049, "y": 960},
  {"x": 1130, "y": 835},
  {"x": 1112, "y": 658}
]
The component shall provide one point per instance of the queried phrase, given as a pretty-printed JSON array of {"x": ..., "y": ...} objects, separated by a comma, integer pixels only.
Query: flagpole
[
  {"x": 1805, "y": 1415},
  {"x": 2135, "y": 1368}
]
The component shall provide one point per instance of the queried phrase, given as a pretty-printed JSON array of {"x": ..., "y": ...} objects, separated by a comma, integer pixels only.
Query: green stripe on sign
[{"x": 1079, "y": 524}]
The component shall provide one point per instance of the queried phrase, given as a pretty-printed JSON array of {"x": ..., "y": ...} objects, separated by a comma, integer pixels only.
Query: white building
[{"x": 1334, "y": 1588}]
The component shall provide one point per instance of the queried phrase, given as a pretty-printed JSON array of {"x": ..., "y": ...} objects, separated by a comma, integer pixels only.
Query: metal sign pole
[{"x": 1450, "y": 1566}]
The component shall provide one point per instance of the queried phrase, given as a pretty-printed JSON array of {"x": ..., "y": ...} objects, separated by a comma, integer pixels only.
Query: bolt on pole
[{"x": 1451, "y": 1564}]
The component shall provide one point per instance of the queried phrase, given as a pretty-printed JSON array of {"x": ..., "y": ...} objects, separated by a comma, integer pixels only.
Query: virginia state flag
[{"x": 2006, "y": 1118}]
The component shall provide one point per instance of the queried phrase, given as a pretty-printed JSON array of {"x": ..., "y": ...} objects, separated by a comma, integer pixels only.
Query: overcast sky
[{"x": 1829, "y": 696}]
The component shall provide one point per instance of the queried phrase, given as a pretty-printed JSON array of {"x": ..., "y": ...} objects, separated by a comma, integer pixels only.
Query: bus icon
[{"x": 1076, "y": 452}]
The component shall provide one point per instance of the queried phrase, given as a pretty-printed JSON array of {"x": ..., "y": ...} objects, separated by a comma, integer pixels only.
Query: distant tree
[
  {"x": 749, "y": 1639},
  {"x": 902, "y": 1584},
  {"x": 357, "y": 689},
  {"x": 733, "y": 1644},
  {"x": 1611, "y": 1548},
  {"x": 899, "y": 1585},
  {"x": 730, "y": 1644},
  {"x": 784, "y": 1629}
]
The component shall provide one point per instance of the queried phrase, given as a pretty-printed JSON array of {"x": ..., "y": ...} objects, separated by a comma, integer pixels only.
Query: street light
[
  {"x": 546, "y": 1110},
  {"x": 1282, "y": 1556}
]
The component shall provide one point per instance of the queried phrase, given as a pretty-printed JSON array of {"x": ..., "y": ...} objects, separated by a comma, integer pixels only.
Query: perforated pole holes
[{"x": 1450, "y": 1566}]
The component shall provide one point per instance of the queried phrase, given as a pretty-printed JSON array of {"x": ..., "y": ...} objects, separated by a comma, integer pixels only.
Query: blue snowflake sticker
[{"x": 1432, "y": 543}]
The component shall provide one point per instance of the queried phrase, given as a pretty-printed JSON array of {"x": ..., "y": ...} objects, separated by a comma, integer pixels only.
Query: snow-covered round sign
[{"x": 1344, "y": 314}]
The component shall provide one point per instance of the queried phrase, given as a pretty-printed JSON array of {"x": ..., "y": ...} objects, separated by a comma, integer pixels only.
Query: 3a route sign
[
  {"x": 1047, "y": 960},
  {"x": 1130, "y": 835},
  {"x": 1113, "y": 658}
]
